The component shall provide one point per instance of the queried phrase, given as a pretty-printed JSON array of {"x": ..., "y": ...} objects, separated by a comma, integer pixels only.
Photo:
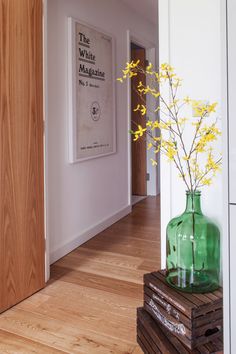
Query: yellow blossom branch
[{"x": 174, "y": 147}]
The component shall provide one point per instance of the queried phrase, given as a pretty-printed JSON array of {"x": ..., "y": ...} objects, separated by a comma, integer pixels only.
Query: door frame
[
  {"x": 165, "y": 56},
  {"x": 152, "y": 56},
  {"x": 45, "y": 109}
]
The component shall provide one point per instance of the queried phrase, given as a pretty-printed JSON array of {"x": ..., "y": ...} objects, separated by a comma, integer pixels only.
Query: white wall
[
  {"x": 231, "y": 155},
  {"x": 195, "y": 52},
  {"x": 193, "y": 40},
  {"x": 87, "y": 197}
]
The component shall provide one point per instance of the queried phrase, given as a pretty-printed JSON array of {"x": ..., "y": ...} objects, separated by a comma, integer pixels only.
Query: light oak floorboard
[
  {"x": 94, "y": 281},
  {"x": 12, "y": 343},
  {"x": 137, "y": 350},
  {"x": 89, "y": 304}
]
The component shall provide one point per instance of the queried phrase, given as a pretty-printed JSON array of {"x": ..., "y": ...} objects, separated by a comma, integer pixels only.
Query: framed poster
[{"x": 91, "y": 99}]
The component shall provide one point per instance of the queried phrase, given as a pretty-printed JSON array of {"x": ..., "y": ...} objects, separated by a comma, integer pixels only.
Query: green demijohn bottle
[{"x": 193, "y": 249}]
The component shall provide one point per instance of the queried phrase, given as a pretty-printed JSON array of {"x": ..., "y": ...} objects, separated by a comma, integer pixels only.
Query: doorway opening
[
  {"x": 144, "y": 178},
  {"x": 138, "y": 149}
]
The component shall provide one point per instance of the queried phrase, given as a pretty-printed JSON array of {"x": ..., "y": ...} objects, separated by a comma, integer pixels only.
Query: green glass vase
[{"x": 193, "y": 249}]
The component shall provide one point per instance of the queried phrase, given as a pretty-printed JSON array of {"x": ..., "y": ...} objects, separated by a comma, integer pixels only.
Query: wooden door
[
  {"x": 22, "y": 248},
  {"x": 139, "y": 160}
]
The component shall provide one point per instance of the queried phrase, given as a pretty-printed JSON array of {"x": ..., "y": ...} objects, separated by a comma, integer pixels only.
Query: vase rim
[{"x": 197, "y": 192}]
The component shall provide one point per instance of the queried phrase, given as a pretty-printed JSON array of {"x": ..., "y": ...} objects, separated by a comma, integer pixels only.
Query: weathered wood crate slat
[
  {"x": 195, "y": 319},
  {"x": 154, "y": 339}
]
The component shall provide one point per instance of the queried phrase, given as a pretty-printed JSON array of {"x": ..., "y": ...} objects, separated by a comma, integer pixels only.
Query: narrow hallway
[{"x": 89, "y": 305}]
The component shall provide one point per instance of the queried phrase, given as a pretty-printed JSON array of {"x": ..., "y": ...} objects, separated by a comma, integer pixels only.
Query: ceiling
[{"x": 145, "y": 8}]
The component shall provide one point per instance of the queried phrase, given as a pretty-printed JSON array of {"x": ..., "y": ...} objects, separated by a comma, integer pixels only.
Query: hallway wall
[
  {"x": 85, "y": 198},
  {"x": 195, "y": 52}
]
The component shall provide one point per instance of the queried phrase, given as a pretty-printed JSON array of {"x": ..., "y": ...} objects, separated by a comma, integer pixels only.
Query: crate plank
[
  {"x": 196, "y": 319},
  {"x": 179, "y": 347},
  {"x": 199, "y": 321},
  {"x": 169, "y": 294},
  {"x": 153, "y": 338},
  {"x": 155, "y": 333},
  {"x": 142, "y": 346},
  {"x": 148, "y": 341},
  {"x": 165, "y": 305},
  {"x": 145, "y": 343},
  {"x": 194, "y": 298}
]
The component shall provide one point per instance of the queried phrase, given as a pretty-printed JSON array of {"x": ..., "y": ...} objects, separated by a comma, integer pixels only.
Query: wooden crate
[
  {"x": 154, "y": 339},
  {"x": 195, "y": 319}
]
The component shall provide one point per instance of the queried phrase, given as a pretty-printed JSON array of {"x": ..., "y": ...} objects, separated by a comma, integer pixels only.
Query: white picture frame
[{"x": 91, "y": 92}]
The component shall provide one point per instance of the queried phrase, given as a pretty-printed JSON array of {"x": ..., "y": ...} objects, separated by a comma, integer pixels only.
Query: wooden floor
[{"x": 89, "y": 305}]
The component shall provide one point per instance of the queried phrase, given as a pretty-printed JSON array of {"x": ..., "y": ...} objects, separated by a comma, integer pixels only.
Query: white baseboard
[{"x": 88, "y": 234}]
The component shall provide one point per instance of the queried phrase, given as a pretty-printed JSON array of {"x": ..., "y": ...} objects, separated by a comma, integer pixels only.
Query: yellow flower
[
  {"x": 155, "y": 125},
  {"x": 182, "y": 120},
  {"x": 167, "y": 67},
  {"x": 154, "y": 163},
  {"x": 207, "y": 181},
  {"x": 157, "y": 77},
  {"x": 149, "y": 67},
  {"x": 171, "y": 153},
  {"x": 140, "y": 131},
  {"x": 149, "y": 123},
  {"x": 131, "y": 74},
  {"x": 212, "y": 107},
  {"x": 215, "y": 130},
  {"x": 187, "y": 100},
  {"x": 196, "y": 124},
  {"x": 140, "y": 84},
  {"x": 165, "y": 125},
  {"x": 136, "y": 64},
  {"x": 125, "y": 72},
  {"x": 169, "y": 148},
  {"x": 157, "y": 138},
  {"x": 141, "y": 90},
  {"x": 143, "y": 110},
  {"x": 130, "y": 70},
  {"x": 146, "y": 90},
  {"x": 173, "y": 144},
  {"x": 157, "y": 150},
  {"x": 155, "y": 94},
  {"x": 173, "y": 104},
  {"x": 163, "y": 76},
  {"x": 211, "y": 164},
  {"x": 137, "y": 108},
  {"x": 132, "y": 64},
  {"x": 177, "y": 81},
  {"x": 199, "y": 109}
]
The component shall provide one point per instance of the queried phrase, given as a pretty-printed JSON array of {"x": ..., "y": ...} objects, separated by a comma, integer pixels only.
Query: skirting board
[{"x": 88, "y": 234}]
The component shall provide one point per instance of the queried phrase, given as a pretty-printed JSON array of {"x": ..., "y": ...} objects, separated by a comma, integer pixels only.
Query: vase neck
[{"x": 193, "y": 202}]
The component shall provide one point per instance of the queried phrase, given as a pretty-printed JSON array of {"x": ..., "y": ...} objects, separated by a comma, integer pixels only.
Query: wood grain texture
[
  {"x": 21, "y": 151},
  {"x": 12, "y": 343},
  {"x": 89, "y": 305},
  {"x": 154, "y": 338}
]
